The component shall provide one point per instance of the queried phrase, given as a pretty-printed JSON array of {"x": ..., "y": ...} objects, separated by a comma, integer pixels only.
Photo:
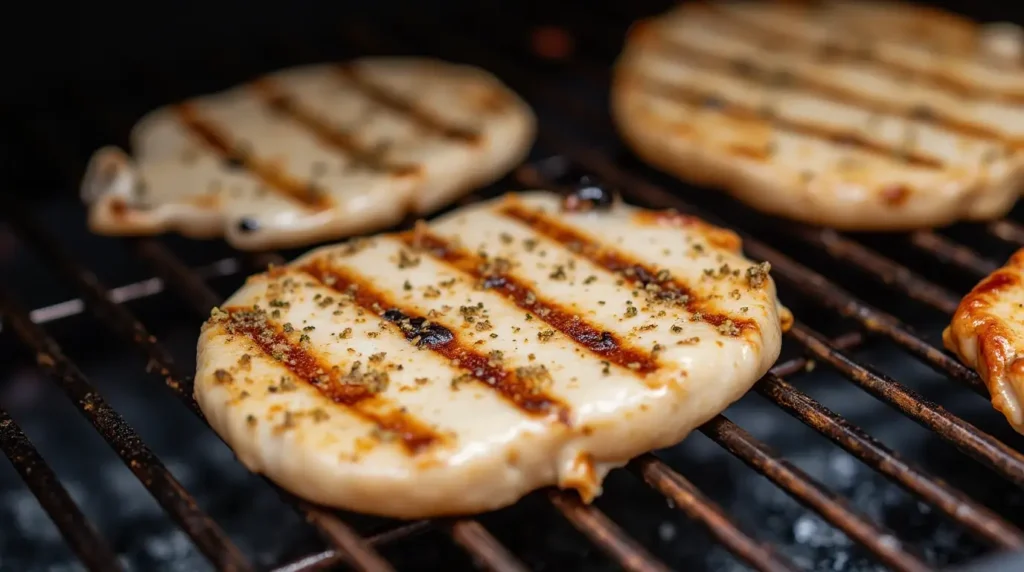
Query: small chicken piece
[
  {"x": 987, "y": 334},
  {"x": 507, "y": 346},
  {"x": 862, "y": 116},
  {"x": 311, "y": 154}
]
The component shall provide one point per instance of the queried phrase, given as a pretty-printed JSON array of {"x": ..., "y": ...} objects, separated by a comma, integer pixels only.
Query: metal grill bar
[
  {"x": 1008, "y": 231},
  {"x": 605, "y": 534},
  {"x": 803, "y": 488},
  {"x": 486, "y": 549},
  {"x": 207, "y": 535},
  {"x": 980, "y": 520},
  {"x": 966, "y": 437},
  {"x": 952, "y": 253},
  {"x": 80, "y": 534},
  {"x": 699, "y": 507},
  {"x": 887, "y": 271},
  {"x": 331, "y": 557}
]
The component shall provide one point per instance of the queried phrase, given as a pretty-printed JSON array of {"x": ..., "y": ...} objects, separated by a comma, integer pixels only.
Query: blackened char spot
[
  {"x": 234, "y": 161},
  {"x": 494, "y": 282},
  {"x": 426, "y": 333},
  {"x": 247, "y": 224},
  {"x": 603, "y": 342},
  {"x": 589, "y": 194}
]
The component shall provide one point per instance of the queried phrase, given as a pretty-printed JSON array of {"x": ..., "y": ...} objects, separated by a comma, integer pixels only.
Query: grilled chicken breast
[
  {"x": 311, "y": 153},
  {"x": 509, "y": 345},
  {"x": 987, "y": 334},
  {"x": 857, "y": 115}
]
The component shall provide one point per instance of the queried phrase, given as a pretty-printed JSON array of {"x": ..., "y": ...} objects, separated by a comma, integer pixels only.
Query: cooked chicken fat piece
[
  {"x": 987, "y": 334},
  {"x": 863, "y": 116},
  {"x": 512, "y": 344},
  {"x": 311, "y": 154}
]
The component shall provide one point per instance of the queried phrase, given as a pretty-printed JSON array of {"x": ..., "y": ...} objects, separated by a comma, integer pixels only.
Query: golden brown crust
[{"x": 984, "y": 335}]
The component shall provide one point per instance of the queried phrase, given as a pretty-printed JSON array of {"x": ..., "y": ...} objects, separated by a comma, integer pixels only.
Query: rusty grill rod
[
  {"x": 80, "y": 534},
  {"x": 809, "y": 492},
  {"x": 969, "y": 439},
  {"x": 952, "y": 253},
  {"x": 207, "y": 535},
  {"x": 1007, "y": 231},
  {"x": 487, "y": 552},
  {"x": 699, "y": 507},
  {"x": 330, "y": 557},
  {"x": 957, "y": 506},
  {"x": 605, "y": 534}
]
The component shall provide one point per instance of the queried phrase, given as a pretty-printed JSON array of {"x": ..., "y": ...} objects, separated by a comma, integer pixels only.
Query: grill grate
[{"x": 573, "y": 153}]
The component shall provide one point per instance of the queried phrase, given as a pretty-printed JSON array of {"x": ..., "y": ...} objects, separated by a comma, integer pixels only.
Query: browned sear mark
[
  {"x": 338, "y": 138},
  {"x": 421, "y": 117},
  {"x": 439, "y": 339},
  {"x": 494, "y": 277},
  {"x": 695, "y": 97},
  {"x": 357, "y": 388},
  {"x": 305, "y": 193},
  {"x": 658, "y": 283}
]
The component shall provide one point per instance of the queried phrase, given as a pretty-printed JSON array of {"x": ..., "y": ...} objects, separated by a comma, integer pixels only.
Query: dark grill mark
[
  {"x": 302, "y": 192},
  {"x": 327, "y": 379},
  {"x": 599, "y": 342},
  {"x": 339, "y": 139},
  {"x": 421, "y": 117},
  {"x": 621, "y": 264},
  {"x": 529, "y": 398},
  {"x": 834, "y": 52},
  {"x": 695, "y": 97},
  {"x": 710, "y": 61}
]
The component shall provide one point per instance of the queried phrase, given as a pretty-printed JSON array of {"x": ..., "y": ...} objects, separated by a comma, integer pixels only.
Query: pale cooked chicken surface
[
  {"x": 987, "y": 334},
  {"x": 855, "y": 115},
  {"x": 311, "y": 153},
  {"x": 509, "y": 345}
]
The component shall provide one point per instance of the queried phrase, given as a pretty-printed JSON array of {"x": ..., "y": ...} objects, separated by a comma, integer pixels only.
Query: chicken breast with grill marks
[
  {"x": 510, "y": 345},
  {"x": 987, "y": 334},
  {"x": 311, "y": 153},
  {"x": 856, "y": 115}
]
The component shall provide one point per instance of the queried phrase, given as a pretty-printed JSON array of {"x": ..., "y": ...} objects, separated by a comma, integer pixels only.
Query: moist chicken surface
[
  {"x": 513, "y": 344},
  {"x": 987, "y": 333},
  {"x": 311, "y": 154},
  {"x": 854, "y": 115}
]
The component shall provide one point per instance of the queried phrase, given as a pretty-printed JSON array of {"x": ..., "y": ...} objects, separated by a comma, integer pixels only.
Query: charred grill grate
[{"x": 819, "y": 298}]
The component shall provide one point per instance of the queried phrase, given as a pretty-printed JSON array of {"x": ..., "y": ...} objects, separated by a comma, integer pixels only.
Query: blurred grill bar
[{"x": 190, "y": 285}]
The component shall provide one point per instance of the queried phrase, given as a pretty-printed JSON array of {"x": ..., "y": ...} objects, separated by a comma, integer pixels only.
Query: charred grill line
[
  {"x": 360, "y": 399},
  {"x": 696, "y": 98},
  {"x": 709, "y": 61},
  {"x": 339, "y": 139},
  {"x": 303, "y": 192},
  {"x": 442, "y": 341},
  {"x": 623, "y": 265},
  {"x": 834, "y": 51},
  {"x": 600, "y": 343},
  {"x": 421, "y": 117}
]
